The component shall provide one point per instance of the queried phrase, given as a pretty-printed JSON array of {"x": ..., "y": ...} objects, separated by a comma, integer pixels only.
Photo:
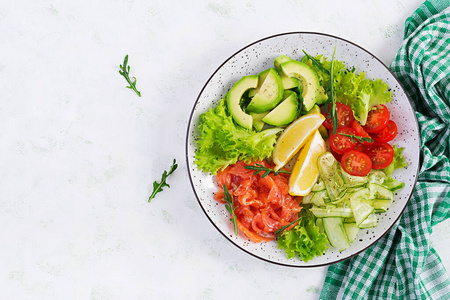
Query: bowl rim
[{"x": 190, "y": 125}]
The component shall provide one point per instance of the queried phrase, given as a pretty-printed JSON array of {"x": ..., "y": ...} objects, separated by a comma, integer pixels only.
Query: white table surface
[{"x": 80, "y": 151}]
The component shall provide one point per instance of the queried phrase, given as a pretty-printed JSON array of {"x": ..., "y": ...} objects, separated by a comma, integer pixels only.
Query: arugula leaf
[
  {"x": 221, "y": 142},
  {"x": 157, "y": 187},
  {"x": 125, "y": 72},
  {"x": 260, "y": 168},
  {"x": 305, "y": 239}
]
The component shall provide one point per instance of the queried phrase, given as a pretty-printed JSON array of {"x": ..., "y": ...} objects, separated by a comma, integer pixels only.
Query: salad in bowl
[{"x": 308, "y": 154}]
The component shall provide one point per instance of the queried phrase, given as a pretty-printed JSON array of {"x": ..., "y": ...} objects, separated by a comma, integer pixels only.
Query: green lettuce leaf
[
  {"x": 222, "y": 142},
  {"x": 360, "y": 94},
  {"x": 304, "y": 240},
  {"x": 352, "y": 88},
  {"x": 398, "y": 162}
]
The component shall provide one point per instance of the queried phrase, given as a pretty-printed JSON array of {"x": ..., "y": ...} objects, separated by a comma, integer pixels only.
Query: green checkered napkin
[{"x": 403, "y": 265}]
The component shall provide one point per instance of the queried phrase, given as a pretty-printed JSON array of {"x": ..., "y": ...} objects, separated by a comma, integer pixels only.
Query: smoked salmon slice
[{"x": 262, "y": 205}]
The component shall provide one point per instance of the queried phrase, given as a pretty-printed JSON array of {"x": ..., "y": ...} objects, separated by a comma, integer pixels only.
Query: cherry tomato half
[
  {"x": 336, "y": 155},
  {"x": 356, "y": 163},
  {"x": 344, "y": 116},
  {"x": 381, "y": 155},
  {"x": 387, "y": 134},
  {"x": 361, "y": 132},
  {"x": 359, "y": 147},
  {"x": 340, "y": 143},
  {"x": 377, "y": 119}
]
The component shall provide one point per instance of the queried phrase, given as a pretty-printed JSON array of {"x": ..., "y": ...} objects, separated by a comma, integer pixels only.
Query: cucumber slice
[
  {"x": 319, "y": 198},
  {"x": 350, "y": 220},
  {"x": 319, "y": 223},
  {"x": 355, "y": 189},
  {"x": 381, "y": 205},
  {"x": 361, "y": 211},
  {"x": 336, "y": 233},
  {"x": 344, "y": 212},
  {"x": 380, "y": 192},
  {"x": 338, "y": 179},
  {"x": 319, "y": 186},
  {"x": 376, "y": 176},
  {"x": 343, "y": 198},
  {"x": 393, "y": 184},
  {"x": 307, "y": 198},
  {"x": 328, "y": 167},
  {"x": 353, "y": 181},
  {"x": 360, "y": 195},
  {"x": 369, "y": 222},
  {"x": 352, "y": 230}
]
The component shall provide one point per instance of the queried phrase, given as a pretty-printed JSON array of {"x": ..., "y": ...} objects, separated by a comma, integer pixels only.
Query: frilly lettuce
[
  {"x": 353, "y": 89},
  {"x": 221, "y": 142},
  {"x": 398, "y": 162},
  {"x": 304, "y": 240}
]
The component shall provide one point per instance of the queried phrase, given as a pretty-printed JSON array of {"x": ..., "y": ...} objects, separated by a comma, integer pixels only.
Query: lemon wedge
[
  {"x": 294, "y": 137},
  {"x": 305, "y": 172}
]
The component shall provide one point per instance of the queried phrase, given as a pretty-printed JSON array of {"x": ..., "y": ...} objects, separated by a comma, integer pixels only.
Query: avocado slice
[
  {"x": 269, "y": 92},
  {"x": 262, "y": 77},
  {"x": 258, "y": 124},
  {"x": 281, "y": 59},
  {"x": 285, "y": 112},
  {"x": 234, "y": 98},
  {"x": 321, "y": 97},
  {"x": 288, "y": 82},
  {"x": 308, "y": 78}
]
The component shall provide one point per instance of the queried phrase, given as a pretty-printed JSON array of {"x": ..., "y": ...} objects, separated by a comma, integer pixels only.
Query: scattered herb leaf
[
  {"x": 356, "y": 138},
  {"x": 260, "y": 168},
  {"x": 157, "y": 187},
  {"x": 125, "y": 72},
  {"x": 230, "y": 208}
]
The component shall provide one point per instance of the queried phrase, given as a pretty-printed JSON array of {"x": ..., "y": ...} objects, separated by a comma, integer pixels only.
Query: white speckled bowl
[{"x": 259, "y": 56}]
